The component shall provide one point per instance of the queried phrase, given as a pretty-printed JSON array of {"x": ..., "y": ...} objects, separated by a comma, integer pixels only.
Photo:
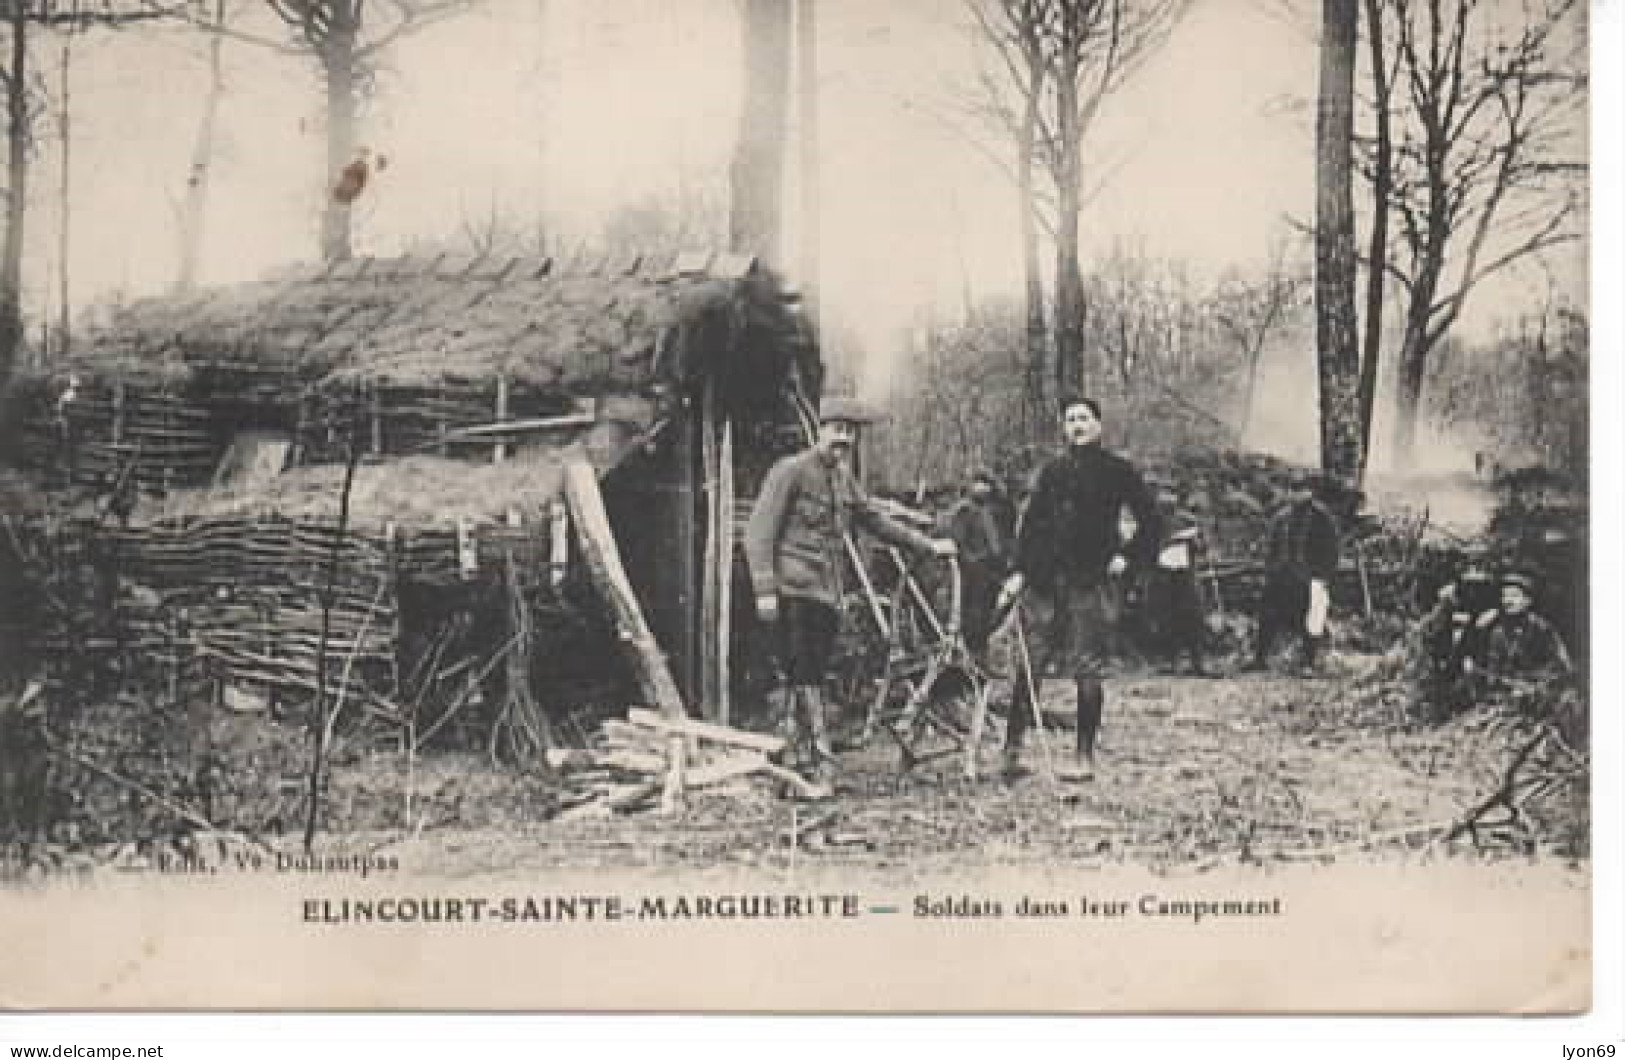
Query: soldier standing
[
  {"x": 795, "y": 543},
  {"x": 1068, "y": 554},
  {"x": 1300, "y": 560}
]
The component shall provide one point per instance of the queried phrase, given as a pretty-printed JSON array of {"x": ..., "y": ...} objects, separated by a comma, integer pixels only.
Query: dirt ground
[{"x": 1194, "y": 774}]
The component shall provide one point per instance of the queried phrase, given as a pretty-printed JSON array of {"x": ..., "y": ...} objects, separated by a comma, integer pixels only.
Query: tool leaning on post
[{"x": 794, "y": 543}]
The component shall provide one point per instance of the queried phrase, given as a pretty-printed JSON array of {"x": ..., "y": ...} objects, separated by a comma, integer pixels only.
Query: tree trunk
[
  {"x": 1382, "y": 178},
  {"x": 1336, "y": 322},
  {"x": 1070, "y": 373},
  {"x": 808, "y": 114},
  {"x": 64, "y": 209},
  {"x": 1413, "y": 359},
  {"x": 17, "y": 139},
  {"x": 755, "y": 224},
  {"x": 340, "y": 65},
  {"x": 1032, "y": 280},
  {"x": 195, "y": 210},
  {"x": 1255, "y": 354}
]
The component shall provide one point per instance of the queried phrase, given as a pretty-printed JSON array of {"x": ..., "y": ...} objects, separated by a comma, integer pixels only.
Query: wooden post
[
  {"x": 604, "y": 562},
  {"x": 375, "y": 418},
  {"x": 117, "y": 427},
  {"x": 499, "y": 452},
  {"x": 725, "y": 533},
  {"x": 710, "y": 654},
  {"x": 559, "y": 534},
  {"x": 603, "y": 558}
]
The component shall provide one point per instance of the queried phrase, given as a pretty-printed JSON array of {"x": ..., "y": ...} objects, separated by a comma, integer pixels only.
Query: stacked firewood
[{"x": 651, "y": 761}]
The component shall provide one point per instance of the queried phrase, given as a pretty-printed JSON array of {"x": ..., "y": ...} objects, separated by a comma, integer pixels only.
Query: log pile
[{"x": 632, "y": 764}]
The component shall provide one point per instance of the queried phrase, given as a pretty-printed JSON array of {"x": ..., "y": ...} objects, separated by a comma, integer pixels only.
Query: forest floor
[{"x": 1193, "y": 774}]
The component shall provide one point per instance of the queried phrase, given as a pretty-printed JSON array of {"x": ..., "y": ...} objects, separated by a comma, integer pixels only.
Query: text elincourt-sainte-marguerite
[{"x": 1152, "y": 906}]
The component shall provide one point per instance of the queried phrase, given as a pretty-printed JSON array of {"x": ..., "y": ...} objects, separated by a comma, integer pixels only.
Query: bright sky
[{"x": 601, "y": 104}]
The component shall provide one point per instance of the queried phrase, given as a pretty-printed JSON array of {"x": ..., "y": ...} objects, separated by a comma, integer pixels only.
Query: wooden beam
[
  {"x": 603, "y": 558},
  {"x": 547, "y": 423},
  {"x": 499, "y": 452},
  {"x": 711, "y": 576},
  {"x": 725, "y": 530},
  {"x": 756, "y": 741}
]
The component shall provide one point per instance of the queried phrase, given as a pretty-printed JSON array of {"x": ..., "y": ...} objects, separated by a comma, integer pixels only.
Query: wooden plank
[
  {"x": 704, "y": 730},
  {"x": 603, "y": 557},
  {"x": 711, "y": 577},
  {"x": 725, "y": 529},
  {"x": 547, "y": 423},
  {"x": 499, "y": 452}
]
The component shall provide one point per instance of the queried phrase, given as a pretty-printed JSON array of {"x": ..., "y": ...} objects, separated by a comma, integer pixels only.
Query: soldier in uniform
[
  {"x": 1300, "y": 560},
  {"x": 977, "y": 524},
  {"x": 1452, "y": 638},
  {"x": 1523, "y": 646},
  {"x": 794, "y": 543},
  {"x": 1172, "y": 597},
  {"x": 1068, "y": 556}
]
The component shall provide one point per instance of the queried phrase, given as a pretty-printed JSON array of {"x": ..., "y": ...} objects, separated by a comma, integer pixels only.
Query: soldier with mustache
[{"x": 795, "y": 545}]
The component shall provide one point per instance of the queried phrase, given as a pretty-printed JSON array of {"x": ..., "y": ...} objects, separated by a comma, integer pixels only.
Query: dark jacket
[
  {"x": 795, "y": 538},
  {"x": 1302, "y": 542},
  {"x": 984, "y": 542},
  {"x": 1069, "y": 531},
  {"x": 1525, "y": 645}
]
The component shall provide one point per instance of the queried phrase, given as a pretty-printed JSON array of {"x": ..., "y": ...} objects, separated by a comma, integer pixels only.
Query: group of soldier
[{"x": 1089, "y": 526}]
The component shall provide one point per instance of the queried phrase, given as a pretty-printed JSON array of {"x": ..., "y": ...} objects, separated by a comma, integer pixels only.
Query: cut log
[
  {"x": 603, "y": 558},
  {"x": 632, "y": 796},
  {"x": 729, "y": 768},
  {"x": 799, "y": 784},
  {"x": 634, "y": 736},
  {"x": 756, "y": 741}
]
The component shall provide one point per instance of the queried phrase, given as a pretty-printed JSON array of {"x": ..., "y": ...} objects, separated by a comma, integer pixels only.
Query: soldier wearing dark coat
[
  {"x": 1068, "y": 555},
  {"x": 1172, "y": 597},
  {"x": 1523, "y": 646},
  {"x": 1452, "y": 639},
  {"x": 1300, "y": 560},
  {"x": 979, "y": 525}
]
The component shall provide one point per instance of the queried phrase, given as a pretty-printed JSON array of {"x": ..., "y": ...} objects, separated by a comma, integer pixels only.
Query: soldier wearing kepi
[
  {"x": 795, "y": 545},
  {"x": 1068, "y": 553}
]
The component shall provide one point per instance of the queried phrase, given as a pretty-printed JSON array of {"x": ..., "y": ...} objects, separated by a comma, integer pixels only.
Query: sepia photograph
[{"x": 957, "y": 506}]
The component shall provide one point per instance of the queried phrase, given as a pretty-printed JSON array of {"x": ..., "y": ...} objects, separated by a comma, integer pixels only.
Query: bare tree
[
  {"x": 756, "y": 213},
  {"x": 1486, "y": 117},
  {"x": 1065, "y": 59},
  {"x": 1015, "y": 31},
  {"x": 1251, "y": 310},
  {"x": 24, "y": 90},
  {"x": 1336, "y": 325},
  {"x": 1379, "y": 173},
  {"x": 193, "y": 211},
  {"x": 347, "y": 39},
  {"x": 808, "y": 117}
]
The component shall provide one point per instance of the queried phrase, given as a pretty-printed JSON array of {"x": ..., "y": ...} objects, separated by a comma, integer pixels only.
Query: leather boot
[
  {"x": 1091, "y": 705},
  {"x": 783, "y": 701},
  {"x": 822, "y": 754}
]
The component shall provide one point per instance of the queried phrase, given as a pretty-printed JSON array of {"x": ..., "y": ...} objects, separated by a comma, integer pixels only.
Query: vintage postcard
[{"x": 1067, "y": 506}]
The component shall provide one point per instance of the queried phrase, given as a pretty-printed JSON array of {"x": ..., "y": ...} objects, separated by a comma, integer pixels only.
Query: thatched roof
[
  {"x": 583, "y": 326},
  {"x": 414, "y": 491}
]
